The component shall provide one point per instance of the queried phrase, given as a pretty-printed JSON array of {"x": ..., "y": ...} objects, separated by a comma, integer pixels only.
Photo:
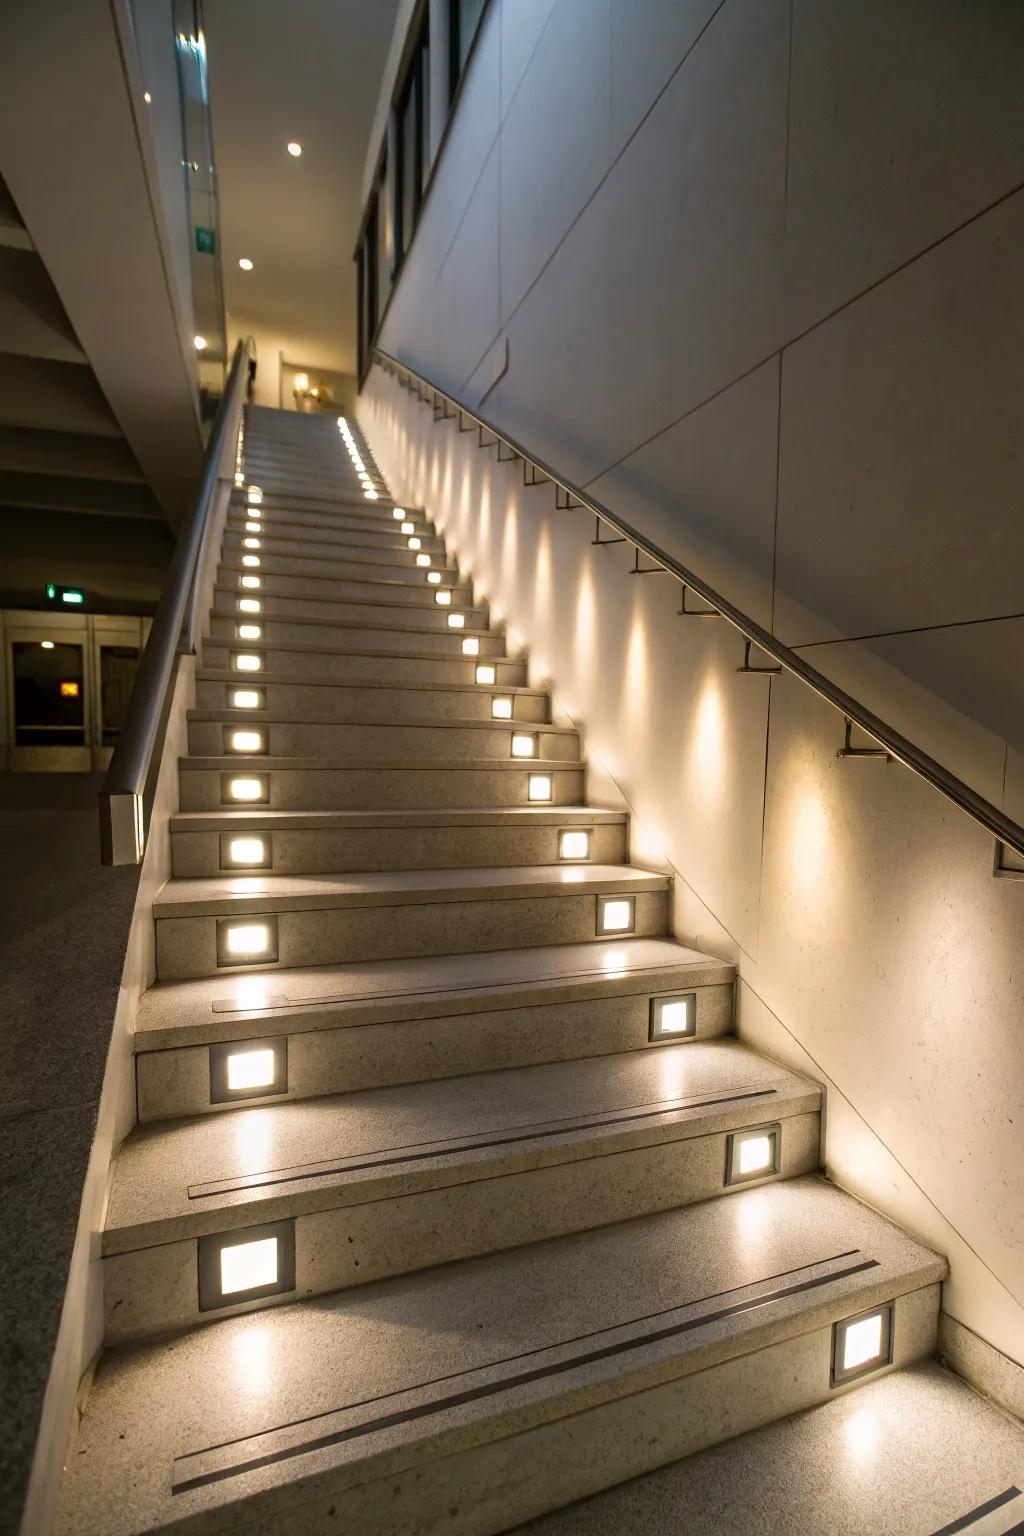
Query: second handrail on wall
[{"x": 891, "y": 743}]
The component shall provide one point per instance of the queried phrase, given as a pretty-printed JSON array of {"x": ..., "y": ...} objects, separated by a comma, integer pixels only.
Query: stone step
[
  {"x": 398, "y": 620},
  {"x": 427, "y": 661},
  {"x": 390, "y": 594},
  {"x": 224, "y": 924},
  {"x": 392, "y": 1180},
  {"x": 326, "y": 520},
  {"x": 404, "y": 566},
  {"x": 336, "y": 699},
  {"x": 290, "y": 843},
  {"x": 505, "y": 1386},
  {"x": 306, "y": 784},
  {"x": 344, "y": 1027},
  {"x": 234, "y": 731},
  {"x": 278, "y": 538}
]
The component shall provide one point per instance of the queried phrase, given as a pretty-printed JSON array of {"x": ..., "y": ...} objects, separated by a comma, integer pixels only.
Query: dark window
[
  {"x": 118, "y": 666},
  {"x": 465, "y": 16},
  {"x": 383, "y": 265},
  {"x": 413, "y": 116},
  {"x": 367, "y": 275},
  {"x": 49, "y": 694}
]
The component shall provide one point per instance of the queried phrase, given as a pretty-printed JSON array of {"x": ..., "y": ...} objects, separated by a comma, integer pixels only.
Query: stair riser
[
  {"x": 332, "y": 742},
  {"x": 391, "y": 1231},
  {"x": 187, "y": 946},
  {"x": 345, "y": 702},
  {"x": 341, "y": 850},
  {"x": 382, "y": 789},
  {"x": 278, "y": 539},
  {"x": 328, "y": 522},
  {"x": 399, "y": 566},
  {"x": 390, "y": 594},
  {"x": 544, "y": 1462},
  {"x": 348, "y": 1057},
  {"x": 371, "y": 666},
  {"x": 403, "y": 622}
]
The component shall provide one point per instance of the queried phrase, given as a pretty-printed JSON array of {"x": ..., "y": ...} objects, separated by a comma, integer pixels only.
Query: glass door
[{"x": 48, "y": 700}]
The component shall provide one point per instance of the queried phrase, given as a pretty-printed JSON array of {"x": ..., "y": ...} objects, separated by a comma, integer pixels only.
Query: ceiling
[{"x": 310, "y": 71}]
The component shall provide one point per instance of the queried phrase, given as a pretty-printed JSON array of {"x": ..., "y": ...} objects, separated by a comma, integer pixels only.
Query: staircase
[{"x": 452, "y": 1197}]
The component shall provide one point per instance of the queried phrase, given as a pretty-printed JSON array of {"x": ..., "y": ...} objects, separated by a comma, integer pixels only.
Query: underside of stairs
[{"x": 453, "y": 1197}]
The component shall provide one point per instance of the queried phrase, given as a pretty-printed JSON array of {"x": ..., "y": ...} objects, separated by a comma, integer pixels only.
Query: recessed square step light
[
  {"x": 456, "y": 621},
  {"x": 251, "y": 583},
  {"x": 251, "y": 851},
  {"x": 252, "y": 527},
  {"x": 398, "y": 513},
  {"x": 540, "y": 787},
  {"x": 246, "y": 941},
  {"x": 414, "y": 543},
  {"x": 573, "y": 845},
  {"x": 248, "y": 631},
  {"x": 246, "y": 1265},
  {"x": 501, "y": 709},
  {"x": 249, "y": 605},
  {"x": 673, "y": 1017},
  {"x": 470, "y": 647},
  {"x": 753, "y": 1154},
  {"x": 443, "y": 598},
  {"x": 252, "y": 561},
  {"x": 408, "y": 528},
  {"x": 245, "y": 790},
  {"x": 485, "y": 671},
  {"x": 862, "y": 1344},
  {"x": 251, "y": 543},
  {"x": 433, "y": 577},
  {"x": 248, "y": 1069},
  {"x": 247, "y": 661},
  {"x": 244, "y": 741},
  {"x": 246, "y": 698},
  {"x": 616, "y": 914},
  {"x": 524, "y": 744},
  {"x": 423, "y": 561}
]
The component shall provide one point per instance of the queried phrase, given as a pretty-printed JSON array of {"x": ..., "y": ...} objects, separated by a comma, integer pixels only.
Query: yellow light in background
[
  {"x": 302, "y": 381},
  {"x": 69, "y": 690},
  {"x": 247, "y": 1266}
]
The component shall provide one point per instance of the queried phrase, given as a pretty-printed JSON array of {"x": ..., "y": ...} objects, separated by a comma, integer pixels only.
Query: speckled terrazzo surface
[{"x": 904, "y": 1456}]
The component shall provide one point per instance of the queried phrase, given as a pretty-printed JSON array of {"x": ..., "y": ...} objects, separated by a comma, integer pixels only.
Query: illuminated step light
[
  {"x": 753, "y": 1154},
  {"x": 253, "y": 527},
  {"x": 616, "y": 914},
  {"x": 573, "y": 845},
  {"x": 501, "y": 709},
  {"x": 245, "y": 791},
  {"x": 251, "y": 583},
  {"x": 484, "y": 672},
  {"x": 370, "y": 495},
  {"x": 251, "y": 543},
  {"x": 364, "y": 477},
  {"x": 408, "y": 528},
  {"x": 469, "y": 647},
  {"x": 246, "y": 698},
  {"x": 245, "y": 741},
  {"x": 251, "y": 561},
  {"x": 540, "y": 787},
  {"x": 244, "y": 942},
  {"x": 248, "y": 631},
  {"x": 434, "y": 578},
  {"x": 413, "y": 543},
  {"x": 398, "y": 513},
  {"x": 249, "y": 605},
  {"x": 245, "y": 1265},
  {"x": 249, "y": 852},
  {"x": 423, "y": 561},
  {"x": 254, "y": 494},
  {"x": 523, "y": 745},
  {"x": 239, "y": 479},
  {"x": 673, "y": 1018},
  {"x": 248, "y": 1069},
  {"x": 862, "y": 1344},
  {"x": 443, "y": 599},
  {"x": 247, "y": 661}
]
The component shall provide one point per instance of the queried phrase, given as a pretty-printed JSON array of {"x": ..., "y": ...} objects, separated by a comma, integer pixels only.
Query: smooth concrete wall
[{"x": 756, "y": 267}]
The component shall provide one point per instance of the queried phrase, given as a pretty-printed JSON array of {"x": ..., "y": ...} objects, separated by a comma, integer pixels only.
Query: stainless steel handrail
[
  {"x": 1006, "y": 832},
  {"x": 127, "y": 793}
]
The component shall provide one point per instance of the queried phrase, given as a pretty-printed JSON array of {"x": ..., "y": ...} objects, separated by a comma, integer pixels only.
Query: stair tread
[
  {"x": 332, "y": 623},
  {"x": 240, "y": 762},
  {"x": 349, "y": 1388},
  {"x": 230, "y": 1008},
  {"x": 266, "y": 892},
  {"x": 265, "y": 820},
  {"x": 383, "y": 685},
  {"x": 383, "y": 1142},
  {"x": 415, "y": 722}
]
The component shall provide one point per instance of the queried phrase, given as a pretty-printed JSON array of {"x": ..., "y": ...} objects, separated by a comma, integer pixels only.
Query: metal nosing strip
[{"x": 989, "y": 1507}]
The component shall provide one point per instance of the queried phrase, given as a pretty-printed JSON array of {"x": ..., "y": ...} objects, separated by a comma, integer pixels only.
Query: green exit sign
[
  {"x": 65, "y": 597},
  {"x": 206, "y": 240}
]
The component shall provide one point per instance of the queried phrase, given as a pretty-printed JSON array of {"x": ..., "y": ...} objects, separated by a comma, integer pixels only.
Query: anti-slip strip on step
[
  {"x": 216, "y": 1463},
  {"x": 1006, "y": 1506},
  {"x": 421, "y": 1152},
  {"x": 297, "y": 1000}
]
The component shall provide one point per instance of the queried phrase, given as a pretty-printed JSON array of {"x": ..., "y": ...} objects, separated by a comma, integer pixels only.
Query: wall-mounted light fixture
[{"x": 247, "y": 1264}]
